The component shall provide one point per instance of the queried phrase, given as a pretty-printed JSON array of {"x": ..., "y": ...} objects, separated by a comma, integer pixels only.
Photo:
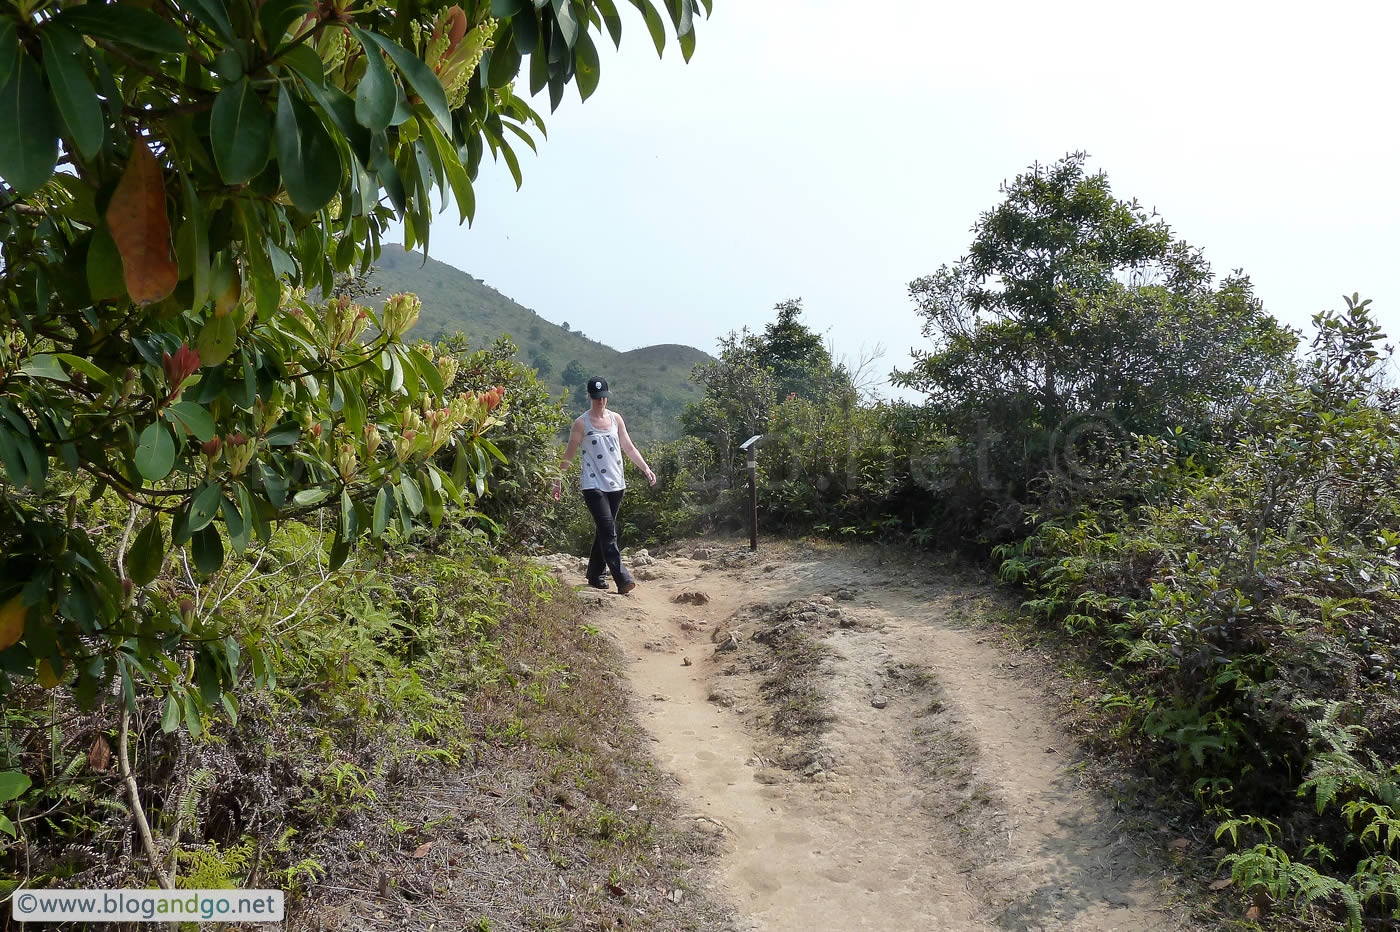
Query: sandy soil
[{"x": 932, "y": 790}]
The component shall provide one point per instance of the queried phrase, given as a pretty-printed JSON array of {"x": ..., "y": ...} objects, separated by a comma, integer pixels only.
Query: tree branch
[{"x": 137, "y": 813}]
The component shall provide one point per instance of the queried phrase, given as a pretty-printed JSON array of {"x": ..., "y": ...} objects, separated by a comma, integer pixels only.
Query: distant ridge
[{"x": 650, "y": 384}]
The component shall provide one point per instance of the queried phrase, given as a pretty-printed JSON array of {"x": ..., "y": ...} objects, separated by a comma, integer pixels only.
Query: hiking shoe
[
  {"x": 598, "y": 583},
  {"x": 626, "y": 587}
]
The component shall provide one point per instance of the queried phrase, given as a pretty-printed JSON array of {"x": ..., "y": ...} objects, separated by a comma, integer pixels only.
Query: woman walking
[{"x": 602, "y": 435}]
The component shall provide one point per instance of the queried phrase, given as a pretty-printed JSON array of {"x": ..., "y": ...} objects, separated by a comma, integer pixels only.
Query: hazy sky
[{"x": 812, "y": 150}]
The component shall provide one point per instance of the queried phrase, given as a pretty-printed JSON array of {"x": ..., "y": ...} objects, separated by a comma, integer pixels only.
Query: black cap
[{"x": 597, "y": 387}]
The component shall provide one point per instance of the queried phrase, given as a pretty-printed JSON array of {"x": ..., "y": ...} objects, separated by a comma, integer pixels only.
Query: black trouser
[{"x": 604, "y": 506}]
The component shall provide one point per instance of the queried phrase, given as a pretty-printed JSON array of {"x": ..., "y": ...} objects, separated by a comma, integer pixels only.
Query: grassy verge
[{"x": 440, "y": 742}]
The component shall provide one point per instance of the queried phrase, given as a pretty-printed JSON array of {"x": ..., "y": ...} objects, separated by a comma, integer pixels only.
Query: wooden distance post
[{"x": 750, "y": 448}]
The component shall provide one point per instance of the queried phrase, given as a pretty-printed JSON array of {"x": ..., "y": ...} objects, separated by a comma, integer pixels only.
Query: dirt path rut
[{"x": 872, "y": 761}]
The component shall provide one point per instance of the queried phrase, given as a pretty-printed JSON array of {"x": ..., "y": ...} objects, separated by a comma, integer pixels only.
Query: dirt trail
[{"x": 953, "y": 805}]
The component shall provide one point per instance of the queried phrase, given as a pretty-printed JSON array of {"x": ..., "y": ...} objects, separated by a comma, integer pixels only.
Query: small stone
[
  {"x": 720, "y": 697},
  {"x": 685, "y": 661},
  {"x": 845, "y": 595},
  {"x": 770, "y": 567},
  {"x": 729, "y": 643},
  {"x": 691, "y": 597},
  {"x": 879, "y": 702}
]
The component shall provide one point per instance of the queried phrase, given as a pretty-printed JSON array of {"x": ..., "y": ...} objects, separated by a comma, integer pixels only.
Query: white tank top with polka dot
[{"x": 602, "y": 457}]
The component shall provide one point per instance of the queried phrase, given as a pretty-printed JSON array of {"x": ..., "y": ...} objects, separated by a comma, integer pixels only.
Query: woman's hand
[{"x": 651, "y": 476}]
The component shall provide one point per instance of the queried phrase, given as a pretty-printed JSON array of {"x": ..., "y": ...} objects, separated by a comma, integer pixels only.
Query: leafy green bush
[
  {"x": 1252, "y": 605},
  {"x": 516, "y": 504}
]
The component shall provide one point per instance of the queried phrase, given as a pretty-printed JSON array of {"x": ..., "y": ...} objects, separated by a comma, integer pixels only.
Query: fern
[
  {"x": 198, "y": 785},
  {"x": 1378, "y": 878},
  {"x": 310, "y": 868},
  {"x": 1268, "y": 867},
  {"x": 210, "y": 868}
]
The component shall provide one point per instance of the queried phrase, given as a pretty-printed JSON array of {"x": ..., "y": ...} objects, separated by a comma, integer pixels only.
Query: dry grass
[{"x": 560, "y": 820}]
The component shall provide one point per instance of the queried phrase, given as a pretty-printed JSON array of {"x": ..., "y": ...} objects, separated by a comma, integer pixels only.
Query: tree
[
  {"x": 540, "y": 361},
  {"x": 574, "y": 373},
  {"x": 740, "y": 392},
  {"x": 177, "y": 176},
  {"x": 800, "y": 362},
  {"x": 1071, "y": 303}
]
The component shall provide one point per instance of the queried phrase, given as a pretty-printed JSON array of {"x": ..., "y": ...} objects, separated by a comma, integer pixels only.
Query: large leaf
[
  {"x": 241, "y": 132},
  {"x": 193, "y": 418},
  {"x": 104, "y": 267},
  {"x": 240, "y": 528},
  {"x": 12, "y": 785},
  {"x": 204, "y": 507},
  {"x": 28, "y": 129},
  {"x": 207, "y": 548},
  {"x": 585, "y": 66},
  {"x": 456, "y": 175},
  {"x": 9, "y": 47},
  {"x": 214, "y": 14},
  {"x": 420, "y": 77},
  {"x": 568, "y": 23},
  {"x": 13, "y": 615},
  {"x": 44, "y": 366},
  {"x": 276, "y": 17},
  {"x": 64, "y": 55},
  {"x": 505, "y": 60},
  {"x": 306, "y": 154},
  {"x": 216, "y": 339},
  {"x": 377, "y": 93},
  {"x": 141, "y": 228},
  {"x": 383, "y": 507},
  {"x": 655, "y": 24},
  {"x": 412, "y": 495},
  {"x": 611, "y": 20},
  {"x": 155, "y": 452},
  {"x": 143, "y": 560},
  {"x": 124, "y": 23}
]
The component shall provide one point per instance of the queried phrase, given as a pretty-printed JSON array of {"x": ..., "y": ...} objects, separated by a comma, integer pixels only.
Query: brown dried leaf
[
  {"x": 422, "y": 850},
  {"x": 100, "y": 754},
  {"x": 1254, "y": 912},
  {"x": 1221, "y": 884},
  {"x": 140, "y": 227}
]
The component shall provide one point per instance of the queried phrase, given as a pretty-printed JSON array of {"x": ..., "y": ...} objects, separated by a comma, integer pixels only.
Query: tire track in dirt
[{"x": 953, "y": 806}]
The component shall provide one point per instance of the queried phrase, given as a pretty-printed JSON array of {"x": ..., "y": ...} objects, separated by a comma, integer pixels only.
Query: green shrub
[{"x": 1251, "y": 599}]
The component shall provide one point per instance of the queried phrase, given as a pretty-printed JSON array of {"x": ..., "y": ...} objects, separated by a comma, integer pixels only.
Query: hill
[{"x": 651, "y": 384}]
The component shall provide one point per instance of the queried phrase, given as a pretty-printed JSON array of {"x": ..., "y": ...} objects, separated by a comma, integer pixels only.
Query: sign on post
[{"x": 750, "y": 448}]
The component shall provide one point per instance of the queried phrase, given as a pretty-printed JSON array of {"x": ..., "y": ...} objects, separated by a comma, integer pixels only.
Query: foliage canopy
[{"x": 177, "y": 177}]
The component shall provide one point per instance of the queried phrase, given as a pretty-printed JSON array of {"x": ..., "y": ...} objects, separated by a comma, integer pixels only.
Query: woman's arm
[
  {"x": 575, "y": 440},
  {"x": 630, "y": 449}
]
